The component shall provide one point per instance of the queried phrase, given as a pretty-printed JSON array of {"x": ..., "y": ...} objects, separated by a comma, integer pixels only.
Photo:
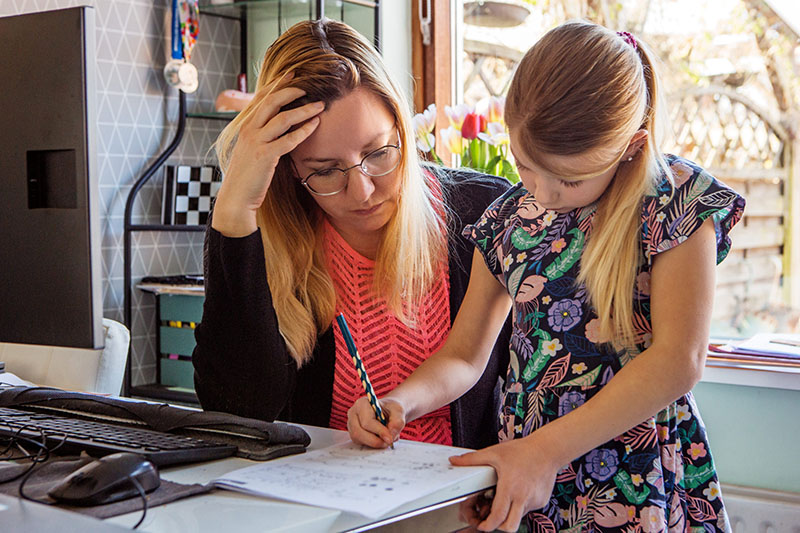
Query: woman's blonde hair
[
  {"x": 583, "y": 88},
  {"x": 329, "y": 60}
]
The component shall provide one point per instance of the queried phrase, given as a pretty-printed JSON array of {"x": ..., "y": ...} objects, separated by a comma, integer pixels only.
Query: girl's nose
[
  {"x": 545, "y": 193},
  {"x": 359, "y": 186}
]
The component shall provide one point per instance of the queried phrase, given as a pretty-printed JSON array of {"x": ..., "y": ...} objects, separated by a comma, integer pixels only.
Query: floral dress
[{"x": 659, "y": 475}]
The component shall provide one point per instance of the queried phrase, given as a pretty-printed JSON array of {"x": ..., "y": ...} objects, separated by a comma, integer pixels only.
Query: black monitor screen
[{"x": 50, "y": 289}]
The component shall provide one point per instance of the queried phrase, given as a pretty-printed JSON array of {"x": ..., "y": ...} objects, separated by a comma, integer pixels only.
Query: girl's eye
[{"x": 566, "y": 183}]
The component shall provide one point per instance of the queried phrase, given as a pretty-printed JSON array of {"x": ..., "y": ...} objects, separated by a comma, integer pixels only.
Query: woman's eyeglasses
[{"x": 331, "y": 181}]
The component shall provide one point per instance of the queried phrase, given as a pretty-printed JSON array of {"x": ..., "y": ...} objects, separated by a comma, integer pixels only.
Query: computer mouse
[{"x": 107, "y": 480}]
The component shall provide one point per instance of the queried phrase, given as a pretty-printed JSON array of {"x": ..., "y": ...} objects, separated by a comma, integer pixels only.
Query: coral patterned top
[{"x": 390, "y": 350}]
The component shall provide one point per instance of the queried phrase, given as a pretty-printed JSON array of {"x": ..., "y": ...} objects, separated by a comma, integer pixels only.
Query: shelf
[
  {"x": 164, "y": 227},
  {"x": 163, "y": 392},
  {"x": 214, "y": 115},
  {"x": 354, "y": 12},
  {"x": 236, "y": 10}
]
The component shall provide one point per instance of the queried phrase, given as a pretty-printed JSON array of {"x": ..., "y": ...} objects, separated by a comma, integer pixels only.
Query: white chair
[{"x": 76, "y": 369}]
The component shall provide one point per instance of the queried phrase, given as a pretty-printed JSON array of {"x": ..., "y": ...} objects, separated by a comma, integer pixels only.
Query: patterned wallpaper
[{"x": 137, "y": 113}]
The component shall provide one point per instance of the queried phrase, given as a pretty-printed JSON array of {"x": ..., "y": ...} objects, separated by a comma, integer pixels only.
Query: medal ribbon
[
  {"x": 190, "y": 26},
  {"x": 175, "y": 45}
]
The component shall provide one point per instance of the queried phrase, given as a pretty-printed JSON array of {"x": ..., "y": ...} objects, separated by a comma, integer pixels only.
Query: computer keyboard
[{"x": 100, "y": 438}]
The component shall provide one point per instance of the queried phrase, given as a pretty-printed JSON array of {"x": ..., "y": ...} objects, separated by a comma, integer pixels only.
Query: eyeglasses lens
[{"x": 378, "y": 163}]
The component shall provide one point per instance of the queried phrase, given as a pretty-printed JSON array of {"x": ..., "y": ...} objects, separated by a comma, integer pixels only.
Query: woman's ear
[{"x": 637, "y": 141}]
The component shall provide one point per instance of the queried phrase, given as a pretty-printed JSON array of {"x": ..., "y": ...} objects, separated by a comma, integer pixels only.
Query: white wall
[{"x": 396, "y": 41}]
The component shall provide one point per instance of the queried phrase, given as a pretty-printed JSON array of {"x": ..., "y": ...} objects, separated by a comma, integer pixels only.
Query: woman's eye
[{"x": 326, "y": 173}]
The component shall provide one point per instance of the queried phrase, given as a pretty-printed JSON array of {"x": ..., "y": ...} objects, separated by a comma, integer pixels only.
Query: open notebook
[{"x": 358, "y": 479}]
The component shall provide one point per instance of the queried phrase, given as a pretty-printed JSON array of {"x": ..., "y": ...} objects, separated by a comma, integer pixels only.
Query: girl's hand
[
  {"x": 366, "y": 429},
  {"x": 261, "y": 142},
  {"x": 525, "y": 479}
]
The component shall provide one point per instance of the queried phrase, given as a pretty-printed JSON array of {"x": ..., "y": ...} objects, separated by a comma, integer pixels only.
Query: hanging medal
[{"x": 179, "y": 71}]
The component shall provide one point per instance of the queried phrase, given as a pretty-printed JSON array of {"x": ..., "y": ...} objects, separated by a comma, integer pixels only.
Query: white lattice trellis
[{"x": 743, "y": 146}]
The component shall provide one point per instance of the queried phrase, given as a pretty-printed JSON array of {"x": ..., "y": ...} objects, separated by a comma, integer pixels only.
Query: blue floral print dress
[{"x": 659, "y": 475}]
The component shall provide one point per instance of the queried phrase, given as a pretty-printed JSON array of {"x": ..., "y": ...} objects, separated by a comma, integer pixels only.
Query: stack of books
[{"x": 772, "y": 348}]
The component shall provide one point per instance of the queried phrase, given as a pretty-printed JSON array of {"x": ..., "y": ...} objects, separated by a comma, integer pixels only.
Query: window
[{"x": 734, "y": 96}]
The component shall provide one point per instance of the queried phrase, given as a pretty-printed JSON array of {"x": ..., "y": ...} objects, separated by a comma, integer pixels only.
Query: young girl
[{"x": 606, "y": 253}]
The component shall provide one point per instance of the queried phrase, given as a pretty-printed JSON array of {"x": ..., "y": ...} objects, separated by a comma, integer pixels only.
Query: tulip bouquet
[{"x": 477, "y": 136}]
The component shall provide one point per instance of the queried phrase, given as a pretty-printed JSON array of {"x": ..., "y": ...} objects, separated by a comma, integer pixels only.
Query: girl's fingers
[
  {"x": 514, "y": 517},
  {"x": 468, "y": 511},
  {"x": 469, "y": 459},
  {"x": 364, "y": 428},
  {"x": 501, "y": 504},
  {"x": 361, "y": 436},
  {"x": 370, "y": 423}
]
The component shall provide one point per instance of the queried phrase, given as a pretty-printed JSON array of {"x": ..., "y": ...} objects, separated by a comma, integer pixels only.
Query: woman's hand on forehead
[{"x": 265, "y": 135}]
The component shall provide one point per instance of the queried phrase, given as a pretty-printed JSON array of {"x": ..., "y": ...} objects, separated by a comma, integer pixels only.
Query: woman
[{"x": 325, "y": 209}]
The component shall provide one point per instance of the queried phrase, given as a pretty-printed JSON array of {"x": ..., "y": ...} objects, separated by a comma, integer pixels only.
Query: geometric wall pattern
[{"x": 136, "y": 118}]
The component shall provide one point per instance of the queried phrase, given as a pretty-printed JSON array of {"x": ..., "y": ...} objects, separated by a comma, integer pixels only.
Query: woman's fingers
[
  {"x": 285, "y": 120},
  {"x": 286, "y": 143},
  {"x": 268, "y": 104}
]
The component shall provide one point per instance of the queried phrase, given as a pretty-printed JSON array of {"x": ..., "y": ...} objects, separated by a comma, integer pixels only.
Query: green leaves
[
  {"x": 694, "y": 476},
  {"x": 525, "y": 241},
  {"x": 568, "y": 257},
  {"x": 624, "y": 483}
]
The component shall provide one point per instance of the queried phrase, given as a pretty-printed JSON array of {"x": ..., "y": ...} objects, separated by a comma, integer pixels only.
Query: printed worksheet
[{"x": 357, "y": 479}]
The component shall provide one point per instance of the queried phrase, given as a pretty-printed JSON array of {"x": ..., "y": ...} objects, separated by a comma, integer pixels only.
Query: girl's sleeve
[
  {"x": 670, "y": 215},
  {"x": 486, "y": 233}
]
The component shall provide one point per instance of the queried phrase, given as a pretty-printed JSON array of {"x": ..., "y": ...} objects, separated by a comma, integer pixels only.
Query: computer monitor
[{"x": 50, "y": 277}]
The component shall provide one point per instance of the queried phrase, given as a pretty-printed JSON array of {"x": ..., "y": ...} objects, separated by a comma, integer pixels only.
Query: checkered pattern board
[{"x": 189, "y": 193}]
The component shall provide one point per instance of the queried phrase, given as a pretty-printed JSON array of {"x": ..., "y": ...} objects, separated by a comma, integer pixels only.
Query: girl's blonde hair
[
  {"x": 329, "y": 60},
  {"x": 581, "y": 89}
]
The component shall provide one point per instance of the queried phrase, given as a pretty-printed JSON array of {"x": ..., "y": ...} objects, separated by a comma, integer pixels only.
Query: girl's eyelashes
[{"x": 565, "y": 183}]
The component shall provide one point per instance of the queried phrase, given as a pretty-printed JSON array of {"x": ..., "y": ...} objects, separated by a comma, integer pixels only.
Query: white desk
[{"x": 224, "y": 511}]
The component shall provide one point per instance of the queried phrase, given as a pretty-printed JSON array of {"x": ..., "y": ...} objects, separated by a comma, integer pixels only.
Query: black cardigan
[{"x": 241, "y": 362}]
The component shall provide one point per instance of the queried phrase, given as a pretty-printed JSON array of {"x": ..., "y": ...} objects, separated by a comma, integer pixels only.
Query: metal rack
[{"x": 236, "y": 10}]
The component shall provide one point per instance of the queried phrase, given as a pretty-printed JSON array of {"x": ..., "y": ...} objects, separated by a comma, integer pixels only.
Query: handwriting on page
[{"x": 356, "y": 479}]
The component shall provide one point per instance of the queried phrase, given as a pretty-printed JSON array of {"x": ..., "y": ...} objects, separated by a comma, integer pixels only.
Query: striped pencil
[{"x": 362, "y": 372}]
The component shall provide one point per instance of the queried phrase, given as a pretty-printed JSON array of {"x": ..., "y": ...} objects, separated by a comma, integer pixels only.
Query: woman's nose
[{"x": 359, "y": 186}]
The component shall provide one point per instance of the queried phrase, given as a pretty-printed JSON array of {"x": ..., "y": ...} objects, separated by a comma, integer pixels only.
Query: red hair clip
[{"x": 628, "y": 38}]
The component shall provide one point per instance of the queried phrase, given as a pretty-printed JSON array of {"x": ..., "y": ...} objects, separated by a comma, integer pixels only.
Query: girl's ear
[{"x": 637, "y": 141}]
